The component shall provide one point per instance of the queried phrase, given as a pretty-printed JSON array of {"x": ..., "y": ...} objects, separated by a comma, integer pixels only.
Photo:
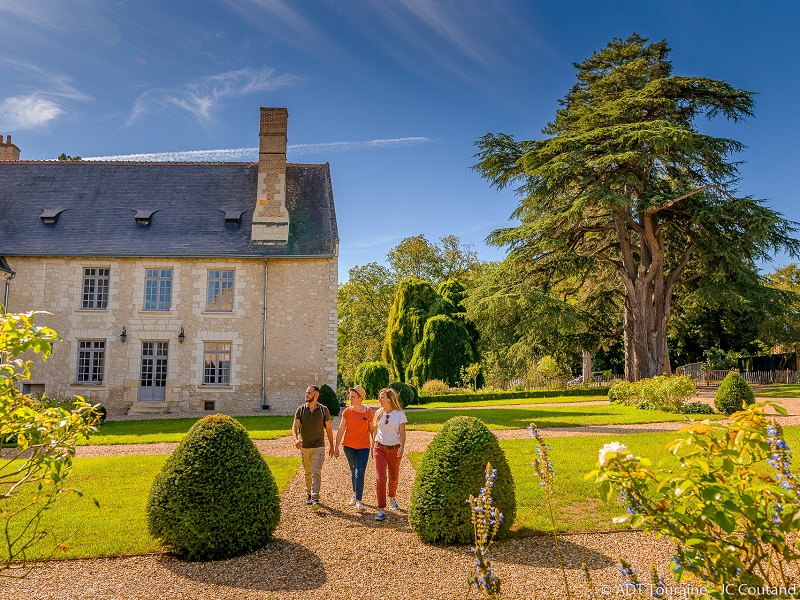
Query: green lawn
[
  {"x": 576, "y": 502},
  {"x": 562, "y": 416},
  {"x": 778, "y": 390},
  {"x": 173, "y": 430},
  {"x": 121, "y": 485},
  {"x": 512, "y": 402}
]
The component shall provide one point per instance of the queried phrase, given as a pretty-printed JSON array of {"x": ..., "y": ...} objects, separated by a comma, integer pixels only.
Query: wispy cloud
[
  {"x": 201, "y": 99},
  {"x": 251, "y": 154},
  {"x": 27, "y": 112}
]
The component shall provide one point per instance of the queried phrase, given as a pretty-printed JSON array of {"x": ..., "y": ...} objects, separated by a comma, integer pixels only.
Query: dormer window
[
  {"x": 233, "y": 217},
  {"x": 50, "y": 215},
  {"x": 143, "y": 217}
]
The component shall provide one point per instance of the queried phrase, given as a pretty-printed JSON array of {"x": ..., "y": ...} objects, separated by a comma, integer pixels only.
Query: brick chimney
[
  {"x": 8, "y": 151},
  {"x": 270, "y": 218}
]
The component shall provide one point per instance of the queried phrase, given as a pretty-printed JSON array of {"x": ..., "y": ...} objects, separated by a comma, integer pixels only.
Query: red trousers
[{"x": 386, "y": 460}]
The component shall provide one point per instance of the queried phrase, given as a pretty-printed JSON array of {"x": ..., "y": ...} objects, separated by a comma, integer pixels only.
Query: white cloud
[
  {"x": 27, "y": 112},
  {"x": 202, "y": 98},
  {"x": 251, "y": 154}
]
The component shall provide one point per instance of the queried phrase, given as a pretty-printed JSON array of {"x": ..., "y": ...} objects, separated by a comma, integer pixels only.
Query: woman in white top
[{"x": 389, "y": 429}]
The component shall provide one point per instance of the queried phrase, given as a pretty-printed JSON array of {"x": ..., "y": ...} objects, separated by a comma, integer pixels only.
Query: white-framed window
[
  {"x": 219, "y": 296},
  {"x": 217, "y": 363},
  {"x": 157, "y": 289},
  {"x": 91, "y": 361},
  {"x": 95, "y": 288}
]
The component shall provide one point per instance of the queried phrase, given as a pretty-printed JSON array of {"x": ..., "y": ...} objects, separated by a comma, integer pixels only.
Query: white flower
[{"x": 614, "y": 447}]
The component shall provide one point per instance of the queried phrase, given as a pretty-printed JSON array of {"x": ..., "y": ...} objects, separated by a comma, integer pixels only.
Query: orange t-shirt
[{"x": 357, "y": 433}]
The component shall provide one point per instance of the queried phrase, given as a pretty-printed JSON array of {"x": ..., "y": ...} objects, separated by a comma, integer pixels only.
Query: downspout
[
  {"x": 264, "y": 405},
  {"x": 8, "y": 285}
]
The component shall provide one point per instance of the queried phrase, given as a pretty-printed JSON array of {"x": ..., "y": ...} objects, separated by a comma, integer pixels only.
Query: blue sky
[{"x": 392, "y": 93}]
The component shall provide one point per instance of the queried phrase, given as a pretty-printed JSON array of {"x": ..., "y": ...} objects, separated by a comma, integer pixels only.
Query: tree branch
[{"x": 654, "y": 209}]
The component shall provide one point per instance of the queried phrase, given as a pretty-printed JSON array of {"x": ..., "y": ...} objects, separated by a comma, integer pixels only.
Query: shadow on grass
[{"x": 280, "y": 566}]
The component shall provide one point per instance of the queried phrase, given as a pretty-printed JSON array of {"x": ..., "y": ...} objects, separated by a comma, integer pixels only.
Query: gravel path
[{"x": 337, "y": 553}]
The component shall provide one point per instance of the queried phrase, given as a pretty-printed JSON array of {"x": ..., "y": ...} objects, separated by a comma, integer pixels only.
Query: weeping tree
[
  {"x": 625, "y": 178},
  {"x": 445, "y": 348}
]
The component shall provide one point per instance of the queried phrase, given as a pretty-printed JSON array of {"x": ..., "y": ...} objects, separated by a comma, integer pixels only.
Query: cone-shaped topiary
[
  {"x": 329, "y": 399},
  {"x": 404, "y": 391},
  {"x": 215, "y": 497},
  {"x": 733, "y": 394},
  {"x": 372, "y": 376},
  {"x": 452, "y": 468},
  {"x": 445, "y": 348}
]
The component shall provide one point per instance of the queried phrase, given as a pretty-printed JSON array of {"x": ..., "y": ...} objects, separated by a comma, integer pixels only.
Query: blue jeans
[{"x": 357, "y": 459}]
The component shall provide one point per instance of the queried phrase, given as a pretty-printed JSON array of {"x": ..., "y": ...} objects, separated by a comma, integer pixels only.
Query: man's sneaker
[
  {"x": 352, "y": 500},
  {"x": 359, "y": 506},
  {"x": 380, "y": 516},
  {"x": 308, "y": 500},
  {"x": 315, "y": 505},
  {"x": 393, "y": 504}
]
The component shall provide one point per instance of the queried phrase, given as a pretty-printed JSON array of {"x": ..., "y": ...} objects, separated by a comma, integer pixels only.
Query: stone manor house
[{"x": 176, "y": 287}]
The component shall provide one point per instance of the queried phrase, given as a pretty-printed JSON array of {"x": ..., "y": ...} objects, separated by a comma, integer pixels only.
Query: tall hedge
[
  {"x": 215, "y": 496},
  {"x": 732, "y": 394},
  {"x": 415, "y": 301},
  {"x": 372, "y": 376},
  {"x": 444, "y": 349},
  {"x": 452, "y": 468},
  {"x": 328, "y": 398}
]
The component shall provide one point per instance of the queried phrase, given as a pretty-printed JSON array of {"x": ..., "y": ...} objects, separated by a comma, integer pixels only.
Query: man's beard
[{"x": 309, "y": 400}]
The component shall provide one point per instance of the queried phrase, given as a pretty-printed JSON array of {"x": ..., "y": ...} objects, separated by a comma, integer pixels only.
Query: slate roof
[{"x": 188, "y": 201}]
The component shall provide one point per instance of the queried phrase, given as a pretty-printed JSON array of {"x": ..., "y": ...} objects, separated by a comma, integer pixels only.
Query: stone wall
[{"x": 301, "y": 329}]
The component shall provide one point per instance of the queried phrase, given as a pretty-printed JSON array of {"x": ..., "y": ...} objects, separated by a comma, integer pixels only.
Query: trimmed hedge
[
  {"x": 733, "y": 394},
  {"x": 372, "y": 376},
  {"x": 328, "y": 398},
  {"x": 500, "y": 394},
  {"x": 215, "y": 496},
  {"x": 452, "y": 468}
]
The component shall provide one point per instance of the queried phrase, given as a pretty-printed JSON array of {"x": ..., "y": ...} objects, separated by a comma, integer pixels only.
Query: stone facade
[{"x": 301, "y": 329}]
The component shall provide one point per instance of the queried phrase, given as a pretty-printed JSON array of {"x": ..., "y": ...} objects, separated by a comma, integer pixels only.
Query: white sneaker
[
  {"x": 393, "y": 504},
  {"x": 359, "y": 506},
  {"x": 352, "y": 501}
]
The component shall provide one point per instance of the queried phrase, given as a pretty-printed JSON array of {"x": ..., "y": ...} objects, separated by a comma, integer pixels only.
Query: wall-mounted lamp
[
  {"x": 124, "y": 335},
  {"x": 181, "y": 335}
]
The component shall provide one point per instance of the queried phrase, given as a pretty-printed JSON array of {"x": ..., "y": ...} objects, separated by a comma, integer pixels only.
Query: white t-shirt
[{"x": 388, "y": 434}]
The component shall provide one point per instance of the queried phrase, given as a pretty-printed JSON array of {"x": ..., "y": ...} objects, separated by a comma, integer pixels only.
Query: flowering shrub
[
  {"x": 734, "y": 519},
  {"x": 656, "y": 393},
  {"x": 486, "y": 520},
  {"x": 434, "y": 387}
]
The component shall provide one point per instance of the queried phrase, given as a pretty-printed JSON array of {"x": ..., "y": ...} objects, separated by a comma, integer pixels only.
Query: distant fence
[{"x": 709, "y": 378}]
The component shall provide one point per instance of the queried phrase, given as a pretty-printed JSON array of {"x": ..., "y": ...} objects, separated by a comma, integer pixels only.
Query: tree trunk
[
  {"x": 587, "y": 366},
  {"x": 645, "y": 324}
]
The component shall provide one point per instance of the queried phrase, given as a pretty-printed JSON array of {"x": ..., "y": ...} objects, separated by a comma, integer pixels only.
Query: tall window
[
  {"x": 157, "y": 289},
  {"x": 91, "y": 358},
  {"x": 95, "y": 289},
  {"x": 217, "y": 363},
  {"x": 220, "y": 291}
]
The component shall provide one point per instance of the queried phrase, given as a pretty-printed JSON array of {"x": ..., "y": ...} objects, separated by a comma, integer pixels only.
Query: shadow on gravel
[{"x": 280, "y": 565}]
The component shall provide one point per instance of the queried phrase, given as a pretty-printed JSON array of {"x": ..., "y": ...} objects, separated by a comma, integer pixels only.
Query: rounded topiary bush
[
  {"x": 328, "y": 398},
  {"x": 215, "y": 497},
  {"x": 452, "y": 468},
  {"x": 404, "y": 391},
  {"x": 733, "y": 394},
  {"x": 372, "y": 376}
]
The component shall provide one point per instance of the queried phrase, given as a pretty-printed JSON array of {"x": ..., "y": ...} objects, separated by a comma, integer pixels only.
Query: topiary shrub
[
  {"x": 404, "y": 391},
  {"x": 372, "y": 376},
  {"x": 215, "y": 496},
  {"x": 733, "y": 394},
  {"x": 415, "y": 392},
  {"x": 328, "y": 398},
  {"x": 452, "y": 468},
  {"x": 444, "y": 350}
]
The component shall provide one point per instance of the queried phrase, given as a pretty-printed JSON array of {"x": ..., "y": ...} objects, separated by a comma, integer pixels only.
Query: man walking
[{"x": 311, "y": 421}]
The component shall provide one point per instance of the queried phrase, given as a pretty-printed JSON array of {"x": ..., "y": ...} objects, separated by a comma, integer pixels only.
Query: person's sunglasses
[{"x": 386, "y": 422}]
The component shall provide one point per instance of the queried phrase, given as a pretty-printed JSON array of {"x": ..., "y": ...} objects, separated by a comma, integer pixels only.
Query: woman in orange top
[{"x": 355, "y": 429}]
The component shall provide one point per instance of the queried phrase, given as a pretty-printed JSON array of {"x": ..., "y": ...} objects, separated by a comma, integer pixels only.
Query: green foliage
[
  {"x": 416, "y": 257},
  {"x": 329, "y": 399},
  {"x": 444, "y": 350},
  {"x": 623, "y": 159},
  {"x": 414, "y": 303},
  {"x": 696, "y": 408},
  {"x": 656, "y": 393},
  {"x": 44, "y": 440},
  {"x": 731, "y": 509},
  {"x": 717, "y": 359},
  {"x": 451, "y": 470},
  {"x": 405, "y": 393},
  {"x": 69, "y": 404},
  {"x": 373, "y": 377},
  {"x": 433, "y": 388},
  {"x": 64, "y": 156},
  {"x": 733, "y": 394},
  {"x": 215, "y": 497}
]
